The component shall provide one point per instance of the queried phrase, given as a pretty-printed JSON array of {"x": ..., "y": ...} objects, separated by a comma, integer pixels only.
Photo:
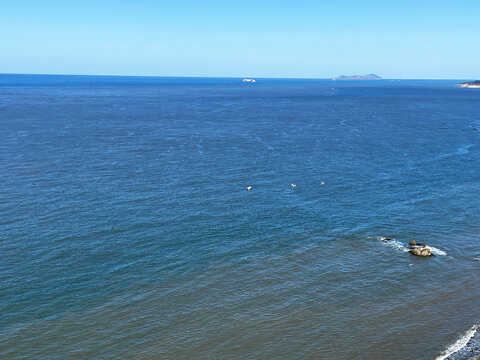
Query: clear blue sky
[{"x": 294, "y": 38}]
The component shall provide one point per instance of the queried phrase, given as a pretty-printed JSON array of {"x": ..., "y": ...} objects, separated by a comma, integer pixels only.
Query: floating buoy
[
  {"x": 249, "y": 188},
  {"x": 294, "y": 186}
]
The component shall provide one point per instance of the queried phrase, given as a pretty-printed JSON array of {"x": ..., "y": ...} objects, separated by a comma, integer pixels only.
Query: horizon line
[{"x": 229, "y": 77}]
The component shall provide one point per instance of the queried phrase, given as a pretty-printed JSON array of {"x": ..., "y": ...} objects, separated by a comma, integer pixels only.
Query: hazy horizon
[{"x": 234, "y": 77}]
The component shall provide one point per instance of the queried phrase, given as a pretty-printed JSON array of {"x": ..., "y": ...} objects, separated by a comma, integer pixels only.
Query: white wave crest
[
  {"x": 394, "y": 244},
  {"x": 459, "y": 344},
  {"x": 436, "y": 251},
  {"x": 404, "y": 248}
]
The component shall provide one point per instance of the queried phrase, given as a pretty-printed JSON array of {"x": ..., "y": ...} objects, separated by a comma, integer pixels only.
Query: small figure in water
[
  {"x": 294, "y": 186},
  {"x": 249, "y": 188}
]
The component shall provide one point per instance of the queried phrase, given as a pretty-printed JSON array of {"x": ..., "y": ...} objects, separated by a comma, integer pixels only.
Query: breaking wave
[
  {"x": 436, "y": 251},
  {"x": 459, "y": 344}
]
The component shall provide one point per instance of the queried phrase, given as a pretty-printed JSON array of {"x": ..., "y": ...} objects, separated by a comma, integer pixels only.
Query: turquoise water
[{"x": 127, "y": 232}]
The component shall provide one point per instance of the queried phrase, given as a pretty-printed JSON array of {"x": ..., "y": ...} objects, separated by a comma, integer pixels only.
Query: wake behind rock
[{"x": 414, "y": 248}]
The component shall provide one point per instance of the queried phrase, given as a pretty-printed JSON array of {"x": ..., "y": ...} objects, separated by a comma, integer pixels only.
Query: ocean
[{"x": 127, "y": 231}]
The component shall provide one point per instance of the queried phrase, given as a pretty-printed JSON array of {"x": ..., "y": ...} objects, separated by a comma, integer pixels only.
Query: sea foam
[
  {"x": 459, "y": 344},
  {"x": 395, "y": 244},
  {"x": 436, "y": 251},
  {"x": 404, "y": 248}
]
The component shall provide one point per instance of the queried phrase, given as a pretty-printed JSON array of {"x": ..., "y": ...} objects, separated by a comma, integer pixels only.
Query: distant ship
[{"x": 249, "y": 80}]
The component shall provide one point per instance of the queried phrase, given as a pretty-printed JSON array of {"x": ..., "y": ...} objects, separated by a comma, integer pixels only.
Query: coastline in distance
[
  {"x": 471, "y": 84},
  {"x": 358, "y": 77}
]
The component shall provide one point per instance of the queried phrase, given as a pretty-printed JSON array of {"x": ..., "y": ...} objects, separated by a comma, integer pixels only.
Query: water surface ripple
[{"x": 127, "y": 231}]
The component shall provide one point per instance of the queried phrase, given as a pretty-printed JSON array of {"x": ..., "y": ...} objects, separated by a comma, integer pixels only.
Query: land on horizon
[
  {"x": 341, "y": 77},
  {"x": 358, "y": 77},
  {"x": 471, "y": 84}
]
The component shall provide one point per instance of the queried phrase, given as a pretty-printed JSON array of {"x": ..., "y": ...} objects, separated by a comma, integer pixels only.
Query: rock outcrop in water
[
  {"x": 413, "y": 243},
  {"x": 419, "y": 249}
]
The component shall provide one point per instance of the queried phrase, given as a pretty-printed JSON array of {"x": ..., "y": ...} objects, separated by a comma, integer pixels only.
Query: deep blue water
[{"x": 127, "y": 232}]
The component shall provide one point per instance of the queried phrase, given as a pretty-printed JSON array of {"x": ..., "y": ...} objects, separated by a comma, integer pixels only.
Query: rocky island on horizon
[
  {"x": 358, "y": 77},
  {"x": 471, "y": 84}
]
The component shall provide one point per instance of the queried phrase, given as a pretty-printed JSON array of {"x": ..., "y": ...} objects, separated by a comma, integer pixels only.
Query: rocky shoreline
[
  {"x": 471, "y": 84},
  {"x": 467, "y": 347}
]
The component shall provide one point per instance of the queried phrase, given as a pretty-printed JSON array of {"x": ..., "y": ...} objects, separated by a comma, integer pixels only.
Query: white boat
[{"x": 249, "y": 80}]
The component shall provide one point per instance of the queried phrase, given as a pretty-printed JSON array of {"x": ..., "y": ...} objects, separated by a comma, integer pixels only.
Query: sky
[{"x": 398, "y": 39}]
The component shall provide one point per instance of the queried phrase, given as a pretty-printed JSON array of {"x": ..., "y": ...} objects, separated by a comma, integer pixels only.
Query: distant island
[
  {"x": 471, "y": 84},
  {"x": 358, "y": 77}
]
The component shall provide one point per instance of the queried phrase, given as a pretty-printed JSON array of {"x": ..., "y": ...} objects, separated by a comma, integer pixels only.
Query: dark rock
[
  {"x": 421, "y": 244},
  {"x": 412, "y": 243}
]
